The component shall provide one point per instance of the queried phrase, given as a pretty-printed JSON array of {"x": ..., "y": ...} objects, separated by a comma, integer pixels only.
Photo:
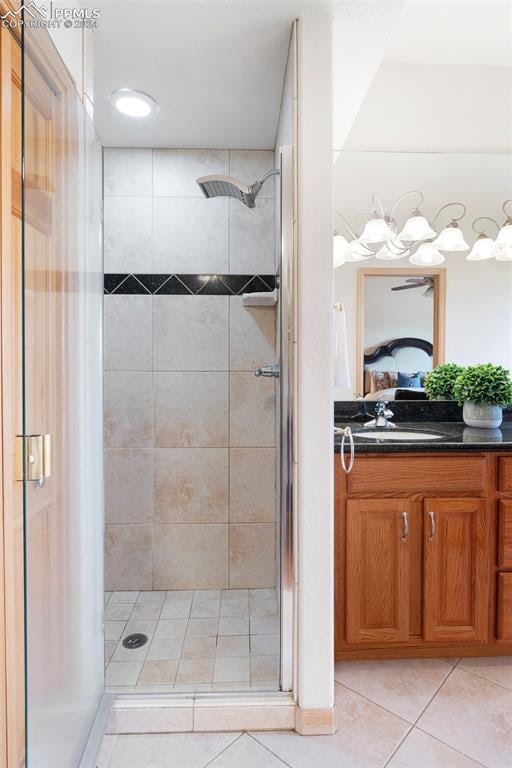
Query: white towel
[{"x": 341, "y": 368}]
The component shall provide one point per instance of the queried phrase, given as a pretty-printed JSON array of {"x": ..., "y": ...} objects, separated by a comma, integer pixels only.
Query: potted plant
[
  {"x": 439, "y": 382},
  {"x": 483, "y": 390}
]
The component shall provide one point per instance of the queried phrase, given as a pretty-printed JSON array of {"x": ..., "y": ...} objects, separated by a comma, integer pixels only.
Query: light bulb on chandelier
[{"x": 418, "y": 239}]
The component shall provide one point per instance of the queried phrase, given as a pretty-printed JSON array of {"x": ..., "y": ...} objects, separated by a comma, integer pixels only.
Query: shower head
[{"x": 228, "y": 186}]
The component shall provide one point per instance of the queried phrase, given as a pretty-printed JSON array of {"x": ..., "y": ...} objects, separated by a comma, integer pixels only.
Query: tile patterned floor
[
  {"x": 197, "y": 640},
  {"x": 430, "y": 713}
]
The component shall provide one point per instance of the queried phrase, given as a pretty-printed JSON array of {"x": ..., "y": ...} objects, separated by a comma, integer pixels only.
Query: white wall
[
  {"x": 315, "y": 412},
  {"x": 435, "y": 108},
  {"x": 361, "y": 35},
  {"x": 479, "y": 309},
  {"x": 391, "y": 314}
]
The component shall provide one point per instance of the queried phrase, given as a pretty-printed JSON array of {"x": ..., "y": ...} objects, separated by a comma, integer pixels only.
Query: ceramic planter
[{"x": 482, "y": 416}]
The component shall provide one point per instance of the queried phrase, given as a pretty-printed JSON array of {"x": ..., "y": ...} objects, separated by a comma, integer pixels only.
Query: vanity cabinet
[{"x": 423, "y": 555}]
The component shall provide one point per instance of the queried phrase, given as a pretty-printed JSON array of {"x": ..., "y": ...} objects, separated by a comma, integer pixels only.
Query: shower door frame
[
  {"x": 287, "y": 325},
  {"x": 287, "y": 240}
]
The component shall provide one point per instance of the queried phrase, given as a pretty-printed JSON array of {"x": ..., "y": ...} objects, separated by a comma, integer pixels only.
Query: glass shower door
[{"x": 62, "y": 410}]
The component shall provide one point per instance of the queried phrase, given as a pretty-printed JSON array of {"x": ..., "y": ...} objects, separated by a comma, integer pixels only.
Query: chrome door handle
[
  {"x": 269, "y": 371},
  {"x": 405, "y": 527},
  {"x": 347, "y": 432},
  {"x": 432, "y": 526}
]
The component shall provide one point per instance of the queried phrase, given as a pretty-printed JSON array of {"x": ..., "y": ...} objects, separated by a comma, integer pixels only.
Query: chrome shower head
[{"x": 228, "y": 186}]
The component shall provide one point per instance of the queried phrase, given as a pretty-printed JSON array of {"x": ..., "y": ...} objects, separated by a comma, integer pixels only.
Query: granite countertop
[{"x": 456, "y": 437}]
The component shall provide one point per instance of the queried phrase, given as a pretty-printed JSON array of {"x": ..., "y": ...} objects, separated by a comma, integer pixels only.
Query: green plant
[
  {"x": 439, "y": 382},
  {"x": 484, "y": 385}
]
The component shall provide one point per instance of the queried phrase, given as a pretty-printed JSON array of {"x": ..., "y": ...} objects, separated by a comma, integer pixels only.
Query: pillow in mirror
[
  {"x": 382, "y": 380},
  {"x": 409, "y": 379}
]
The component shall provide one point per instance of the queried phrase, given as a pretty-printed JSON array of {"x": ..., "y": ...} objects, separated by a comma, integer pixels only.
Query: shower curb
[{"x": 201, "y": 713}]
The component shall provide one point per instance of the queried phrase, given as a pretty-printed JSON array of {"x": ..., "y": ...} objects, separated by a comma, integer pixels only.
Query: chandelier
[{"x": 381, "y": 237}]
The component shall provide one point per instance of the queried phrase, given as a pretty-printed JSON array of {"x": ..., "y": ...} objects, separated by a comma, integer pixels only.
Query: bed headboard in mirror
[{"x": 407, "y": 354}]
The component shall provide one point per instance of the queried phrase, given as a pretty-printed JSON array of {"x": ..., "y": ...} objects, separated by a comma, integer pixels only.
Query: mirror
[
  {"x": 419, "y": 139},
  {"x": 465, "y": 313},
  {"x": 401, "y": 330}
]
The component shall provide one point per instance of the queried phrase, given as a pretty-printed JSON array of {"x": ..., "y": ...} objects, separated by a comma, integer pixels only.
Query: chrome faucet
[{"x": 382, "y": 416}]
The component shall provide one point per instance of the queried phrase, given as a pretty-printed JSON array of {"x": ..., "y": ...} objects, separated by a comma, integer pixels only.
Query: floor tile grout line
[
  {"x": 151, "y": 642},
  {"x": 393, "y": 753},
  {"x": 120, "y": 640},
  {"x": 414, "y": 724},
  {"x": 482, "y": 677},
  {"x": 429, "y": 702},
  {"x": 228, "y": 746},
  {"x": 255, "y": 738},
  {"x": 343, "y": 685},
  {"x": 455, "y": 749}
]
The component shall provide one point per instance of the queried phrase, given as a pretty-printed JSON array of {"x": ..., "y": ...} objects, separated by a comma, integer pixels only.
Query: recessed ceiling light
[{"x": 133, "y": 103}]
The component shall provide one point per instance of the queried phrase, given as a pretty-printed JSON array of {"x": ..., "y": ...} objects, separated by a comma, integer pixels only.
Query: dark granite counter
[{"x": 456, "y": 436}]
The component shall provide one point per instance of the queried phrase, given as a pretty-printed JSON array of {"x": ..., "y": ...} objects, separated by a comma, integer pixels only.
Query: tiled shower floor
[{"x": 197, "y": 640}]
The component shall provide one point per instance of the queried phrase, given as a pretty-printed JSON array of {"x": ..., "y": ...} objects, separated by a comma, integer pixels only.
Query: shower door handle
[
  {"x": 269, "y": 371},
  {"x": 33, "y": 458}
]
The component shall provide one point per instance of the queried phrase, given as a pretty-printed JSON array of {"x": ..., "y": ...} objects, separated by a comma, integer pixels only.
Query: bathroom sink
[{"x": 397, "y": 434}]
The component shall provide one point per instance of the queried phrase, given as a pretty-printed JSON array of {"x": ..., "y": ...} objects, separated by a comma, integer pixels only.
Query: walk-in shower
[
  {"x": 198, "y": 481},
  {"x": 228, "y": 186},
  {"x": 192, "y": 484}
]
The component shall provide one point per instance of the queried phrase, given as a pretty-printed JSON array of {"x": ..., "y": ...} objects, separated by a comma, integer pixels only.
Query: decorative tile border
[{"x": 187, "y": 285}]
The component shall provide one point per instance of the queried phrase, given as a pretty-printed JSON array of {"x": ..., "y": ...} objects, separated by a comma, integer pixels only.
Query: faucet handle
[{"x": 381, "y": 409}]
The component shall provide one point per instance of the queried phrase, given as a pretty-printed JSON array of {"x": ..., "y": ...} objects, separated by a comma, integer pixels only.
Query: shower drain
[{"x": 137, "y": 640}]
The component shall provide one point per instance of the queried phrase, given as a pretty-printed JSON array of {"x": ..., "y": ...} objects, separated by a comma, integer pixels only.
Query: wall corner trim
[{"x": 315, "y": 722}]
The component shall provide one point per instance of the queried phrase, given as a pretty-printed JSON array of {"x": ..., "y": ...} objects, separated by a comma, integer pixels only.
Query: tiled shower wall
[{"x": 189, "y": 429}]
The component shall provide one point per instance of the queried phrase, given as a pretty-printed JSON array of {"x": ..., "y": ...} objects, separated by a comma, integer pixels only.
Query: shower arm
[{"x": 255, "y": 188}]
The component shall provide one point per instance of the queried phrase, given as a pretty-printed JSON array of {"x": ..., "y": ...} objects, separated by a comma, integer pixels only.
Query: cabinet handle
[
  {"x": 405, "y": 527},
  {"x": 432, "y": 534},
  {"x": 347, "y": 432}
]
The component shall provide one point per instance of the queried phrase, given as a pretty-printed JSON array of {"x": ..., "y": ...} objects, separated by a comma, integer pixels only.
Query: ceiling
[
  {"x": 216, "y": 69},
  {"x": 453, "y": 32}
]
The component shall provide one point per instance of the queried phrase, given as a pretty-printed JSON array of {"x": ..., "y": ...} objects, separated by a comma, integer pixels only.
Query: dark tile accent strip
[
  {"x": 205, "y": 285},
  {"x": 215, "y": 286},
  {"x": 236, "y": 283},
  {"x": 152, "y": 282},
  {"x": 172, "y": 286},
  {"x": 256, "y": 284},
  {"x": 131, "y": 285},
  {"x": 270, "y": 280},
  {"x": 195, "y": 282},
  {"x": 112, "y": 281}
]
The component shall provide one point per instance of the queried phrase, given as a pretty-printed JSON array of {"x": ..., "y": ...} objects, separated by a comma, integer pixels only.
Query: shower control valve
[{"x": 269, "y": 371}]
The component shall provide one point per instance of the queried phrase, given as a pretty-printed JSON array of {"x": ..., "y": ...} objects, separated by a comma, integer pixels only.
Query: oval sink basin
[{"x": 397, "y": 434}]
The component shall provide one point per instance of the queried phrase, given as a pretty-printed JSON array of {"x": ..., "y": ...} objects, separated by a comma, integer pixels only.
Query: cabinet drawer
[
  {"x": 505, "y": 606},
  {"x": 404, "y": 475},
  {"x": 505, "y": 535},
  {"x": 505, "y": 473}
]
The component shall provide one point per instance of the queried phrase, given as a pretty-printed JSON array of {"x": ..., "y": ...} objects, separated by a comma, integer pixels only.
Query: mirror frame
[{"x": 439, "y": 275}]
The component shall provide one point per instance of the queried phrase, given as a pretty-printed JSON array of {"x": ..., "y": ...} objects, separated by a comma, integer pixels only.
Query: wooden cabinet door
[
  {"x": 378, "y": 569},
  {"x": 505, "y": 607},
  {"x": 456, "y": 570}
]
